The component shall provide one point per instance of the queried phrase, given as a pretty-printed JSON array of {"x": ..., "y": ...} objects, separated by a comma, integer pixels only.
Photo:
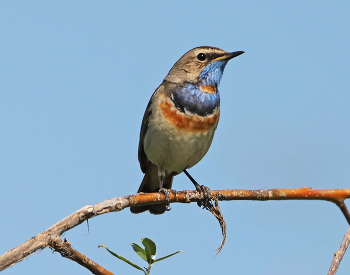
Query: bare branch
[
  {"x": 45, "y": 238},
  {"x": 345, "y": 210},
  {"x": 67, "y": 251},
  {"x": 338, "y": 256}
]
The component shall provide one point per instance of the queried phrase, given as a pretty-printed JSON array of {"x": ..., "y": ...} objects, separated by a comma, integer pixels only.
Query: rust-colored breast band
[{"x": 189, "y": 123}]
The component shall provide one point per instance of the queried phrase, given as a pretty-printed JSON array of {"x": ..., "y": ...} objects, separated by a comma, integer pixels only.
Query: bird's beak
[{"x": 228, "y": 56}]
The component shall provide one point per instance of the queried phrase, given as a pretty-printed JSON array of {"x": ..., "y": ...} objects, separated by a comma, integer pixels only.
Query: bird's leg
[
  {"x": 161, "y": 175},
  {"x": 200, "y": 189}
]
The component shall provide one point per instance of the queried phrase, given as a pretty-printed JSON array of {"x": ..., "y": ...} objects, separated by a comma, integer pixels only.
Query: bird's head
[{"x": 203, "y": 66}]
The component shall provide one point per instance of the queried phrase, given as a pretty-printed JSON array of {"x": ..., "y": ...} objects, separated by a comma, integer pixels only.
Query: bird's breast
[{"x": 186, "y": 120}]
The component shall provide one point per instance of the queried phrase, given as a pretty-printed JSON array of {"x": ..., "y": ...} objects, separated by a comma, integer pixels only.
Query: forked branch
[{"x": 52, "y": 236}]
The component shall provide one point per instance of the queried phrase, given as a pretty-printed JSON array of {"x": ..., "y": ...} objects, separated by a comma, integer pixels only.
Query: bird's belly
[
  {"x": 176, "y": 152},
  {"x": 176, "y": 141}
]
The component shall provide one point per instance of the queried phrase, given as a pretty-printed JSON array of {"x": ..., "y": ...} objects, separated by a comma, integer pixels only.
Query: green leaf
[
  {"x": 172, "y": 254},
  {"x": 139, "y": 251},
  {"x": 150, "y": 248},
  {"x": 122, "y": 258}
]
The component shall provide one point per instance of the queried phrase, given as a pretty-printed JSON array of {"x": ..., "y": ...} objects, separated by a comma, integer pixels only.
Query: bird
[{"x": 180, "y": 120}]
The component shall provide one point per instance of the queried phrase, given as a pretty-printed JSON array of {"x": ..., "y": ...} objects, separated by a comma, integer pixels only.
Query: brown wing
[{"x": 144, "y": 162}]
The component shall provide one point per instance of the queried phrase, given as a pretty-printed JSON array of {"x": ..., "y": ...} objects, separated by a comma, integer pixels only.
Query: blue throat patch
[
  {"x": 211, "y": 74},
  {"x": 195, "y": 100}
]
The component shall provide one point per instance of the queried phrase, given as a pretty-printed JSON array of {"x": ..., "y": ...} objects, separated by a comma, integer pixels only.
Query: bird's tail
[{"x": 150, "y": 184}]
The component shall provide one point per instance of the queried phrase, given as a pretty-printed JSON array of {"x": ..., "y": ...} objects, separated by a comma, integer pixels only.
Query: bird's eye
[{"x": 201, "y": 57}]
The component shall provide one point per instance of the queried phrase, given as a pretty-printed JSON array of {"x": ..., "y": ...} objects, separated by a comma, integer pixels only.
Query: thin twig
[
  {"x": 344, "y": 209},
  {"x": 67, "y": 251},
  {"x": 215, "y": 210},
  {"x": 338, "y": 256}
]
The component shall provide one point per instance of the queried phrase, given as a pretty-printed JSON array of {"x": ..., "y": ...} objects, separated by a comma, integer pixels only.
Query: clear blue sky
[{"x": 75, "y": 79}]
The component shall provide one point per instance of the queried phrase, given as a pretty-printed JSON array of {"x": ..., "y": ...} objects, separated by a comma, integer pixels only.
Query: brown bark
[{"x": 52, "y": 236}]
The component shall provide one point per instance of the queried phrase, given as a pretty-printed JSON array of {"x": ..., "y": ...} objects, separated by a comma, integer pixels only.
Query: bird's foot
[
  {"x": 203, "y": 190},
  {"x": 166, "y": 193},
  {"x": 205, "y": 195}
]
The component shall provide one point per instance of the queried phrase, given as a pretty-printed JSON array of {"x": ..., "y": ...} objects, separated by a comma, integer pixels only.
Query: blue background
[{"x": 75, "y": 79}]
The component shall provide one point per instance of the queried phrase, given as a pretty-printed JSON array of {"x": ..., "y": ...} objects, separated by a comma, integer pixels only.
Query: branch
[
  {"x": 54, "y": 233},
  {"x": 67, "y": 251},
  {"x": 338, "y": 256}
]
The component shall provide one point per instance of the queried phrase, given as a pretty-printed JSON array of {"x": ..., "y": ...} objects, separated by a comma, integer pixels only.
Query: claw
[
  {"x": 205, "y": 194},
  {"x": 166, "y": 193},
  {"x": 203, "y": 190}
]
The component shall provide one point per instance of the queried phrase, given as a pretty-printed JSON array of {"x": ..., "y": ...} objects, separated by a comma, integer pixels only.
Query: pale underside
[{"x": 174, "y": 149}]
